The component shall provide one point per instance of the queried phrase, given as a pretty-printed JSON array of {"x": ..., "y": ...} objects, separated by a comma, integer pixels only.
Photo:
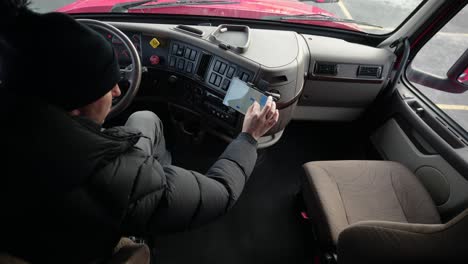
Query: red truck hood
[{"x": 250, "y": 9}]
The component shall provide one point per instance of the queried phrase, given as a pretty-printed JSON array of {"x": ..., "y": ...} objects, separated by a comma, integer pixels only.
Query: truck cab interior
[{"x": 363, "y": 166}]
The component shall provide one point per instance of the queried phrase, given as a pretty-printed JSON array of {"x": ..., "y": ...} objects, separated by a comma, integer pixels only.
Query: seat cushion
[{"x": 340, "y": 193}]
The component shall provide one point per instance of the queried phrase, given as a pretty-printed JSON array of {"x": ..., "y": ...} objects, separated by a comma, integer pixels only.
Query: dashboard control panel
[
  {"x": 210, "y": 71},
  {"x": 221, "y": 72},
  {"x": 214, "y": 106},
  {"x": 214, "y": 71},
  {"x": 154, "y": 51},
  {"x": 183, "y": 57}
]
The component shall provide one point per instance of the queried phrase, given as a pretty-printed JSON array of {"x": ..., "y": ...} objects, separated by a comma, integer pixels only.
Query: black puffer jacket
[{"x": 70, "y": 191}]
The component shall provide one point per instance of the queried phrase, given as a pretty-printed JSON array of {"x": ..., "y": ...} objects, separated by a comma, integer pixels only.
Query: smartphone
[{"x": 240, "y": 96}]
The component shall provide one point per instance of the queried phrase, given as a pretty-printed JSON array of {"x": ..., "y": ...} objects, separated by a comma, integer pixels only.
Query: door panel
[
  {"x": 447, "y": 186},
  {"x": 417, "y": 136},
  {"x": 425, "y": 125}
]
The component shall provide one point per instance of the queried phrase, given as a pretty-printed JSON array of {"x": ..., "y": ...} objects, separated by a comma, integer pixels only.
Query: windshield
[{"x": 369, "y": 16}]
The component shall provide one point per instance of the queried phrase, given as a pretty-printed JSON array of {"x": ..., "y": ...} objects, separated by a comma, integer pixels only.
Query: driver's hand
[{"x": 257, "y": 122}]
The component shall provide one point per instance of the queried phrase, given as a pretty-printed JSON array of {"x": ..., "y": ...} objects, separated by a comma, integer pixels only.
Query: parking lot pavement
[
  {"x": 42, "y": 6},
  {"x": 372, "y": 11}
]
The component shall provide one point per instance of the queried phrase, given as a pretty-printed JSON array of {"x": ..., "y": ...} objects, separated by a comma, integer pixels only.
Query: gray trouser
[{"x": 153, "y": 143}]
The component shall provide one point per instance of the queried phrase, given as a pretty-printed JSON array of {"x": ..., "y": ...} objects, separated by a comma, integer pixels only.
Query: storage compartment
[{"x": 437, "y": 124}]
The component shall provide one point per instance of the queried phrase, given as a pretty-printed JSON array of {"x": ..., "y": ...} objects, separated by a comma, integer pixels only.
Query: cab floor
[{"x": 265, "y": 225}]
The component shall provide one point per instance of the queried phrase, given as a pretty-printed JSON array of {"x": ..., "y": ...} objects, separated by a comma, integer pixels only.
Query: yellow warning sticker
[{"x": 154, "y": 43}]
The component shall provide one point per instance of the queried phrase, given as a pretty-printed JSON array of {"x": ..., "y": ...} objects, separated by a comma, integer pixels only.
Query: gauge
[
  {"x": 122, "y": 55},
  {"x": 136, "y": 39},
  {"x": 116, "y": 40},
  {"x": 121, "y": 51}
]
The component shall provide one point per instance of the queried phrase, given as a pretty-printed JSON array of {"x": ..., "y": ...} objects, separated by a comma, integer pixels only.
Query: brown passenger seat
[{"x": 379, "y": 212}]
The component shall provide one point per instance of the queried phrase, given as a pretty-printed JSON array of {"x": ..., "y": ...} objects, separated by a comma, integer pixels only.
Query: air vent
[
  {"x": 190, "y": 30},
  {"x": 203, "y": 67},
  {"x": 370, "y": 71},
  {"x": 326, "y": 68}
]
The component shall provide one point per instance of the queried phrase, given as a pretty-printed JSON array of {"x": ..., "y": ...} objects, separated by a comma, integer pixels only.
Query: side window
[{"x": 440, "y": 69}]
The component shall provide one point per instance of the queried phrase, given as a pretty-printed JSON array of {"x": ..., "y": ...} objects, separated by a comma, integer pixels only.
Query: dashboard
[
  {"x": 316, "y": 77},
  {"x": 183, "y": 58}
]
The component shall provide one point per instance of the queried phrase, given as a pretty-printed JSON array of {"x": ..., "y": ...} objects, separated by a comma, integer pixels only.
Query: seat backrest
[{"x": 391, "y": 242}]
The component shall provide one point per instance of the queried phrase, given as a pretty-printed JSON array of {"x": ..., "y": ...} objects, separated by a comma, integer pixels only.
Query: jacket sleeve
[{"x": 187, "y": 198}]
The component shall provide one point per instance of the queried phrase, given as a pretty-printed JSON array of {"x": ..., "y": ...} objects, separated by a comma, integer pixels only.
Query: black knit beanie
[{"x": 57, "y": 59}]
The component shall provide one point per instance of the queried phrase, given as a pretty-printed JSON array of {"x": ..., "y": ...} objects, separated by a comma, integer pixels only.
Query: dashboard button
[
  {"x": 213, "y": 78},
  {"x": 180, "y": 64},
  {"x": 216, "y": 66},
  {"x": 223, "y": 67},
  {"x": 180, "y": 51},
  {"x": 175, "y": 48},
  {"x": 245, "y": 76},
  {"x": 189, "y": 67},
  {"x": 230, "y": 72},
  {"x": 172, "y": 62},
  {"x": 226, "y": 83},
  {"x": 187, "y": 53},
  {"x": 193, "y": 55},
  {"x": 154, "y": 60},
  {"x": 218, "y": 80}
]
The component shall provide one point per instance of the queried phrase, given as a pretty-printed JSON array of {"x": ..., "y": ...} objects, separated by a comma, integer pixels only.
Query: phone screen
[{"x": 241, "y": 96}]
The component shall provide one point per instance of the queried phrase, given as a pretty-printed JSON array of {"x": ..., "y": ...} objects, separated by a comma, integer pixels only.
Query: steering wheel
[{"x": 132, "y": 73}]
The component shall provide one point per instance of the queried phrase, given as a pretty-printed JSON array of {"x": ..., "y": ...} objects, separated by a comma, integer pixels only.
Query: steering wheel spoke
[{"x": 126, "y": 74}]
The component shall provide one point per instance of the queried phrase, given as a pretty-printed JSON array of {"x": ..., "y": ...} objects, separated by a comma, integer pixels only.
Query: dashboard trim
[{"x": 347, "y": 80}]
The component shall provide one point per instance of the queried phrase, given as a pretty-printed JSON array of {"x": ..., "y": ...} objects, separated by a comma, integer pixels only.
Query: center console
[{"x": 196, "y": 79}]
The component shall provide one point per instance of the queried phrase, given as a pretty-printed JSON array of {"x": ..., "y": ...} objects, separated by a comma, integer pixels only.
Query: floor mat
[{"x": 264, "y": 226}]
